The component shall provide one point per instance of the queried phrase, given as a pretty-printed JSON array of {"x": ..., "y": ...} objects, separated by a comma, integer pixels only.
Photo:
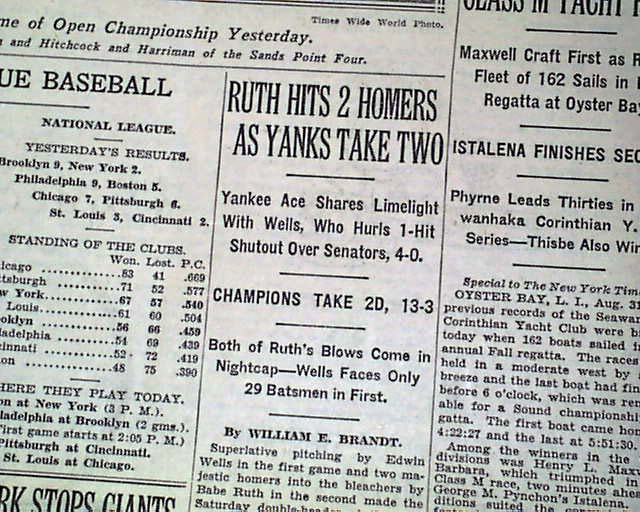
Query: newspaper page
[{"x": 319, "y": 256}]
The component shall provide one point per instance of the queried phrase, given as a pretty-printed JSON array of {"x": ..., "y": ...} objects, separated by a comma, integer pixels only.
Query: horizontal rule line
[
  {"x": 220, "y": 66},
  {"x": 574, "y": 128},
  {"x": 101, "y": 230},
  {"x": 78, "y": 379},
  {"x": 559, "y": 267},
  {"x": 321, "y": 326},
  {"x": 103, "y": 139},
  {"x": 333, "y": 5},
  {"x": 330, "y": 177},
  {"x": 329, "y": 276},
  {"x": 312, "y": 417},
  {"x": 61, "y": 476},
  {"x": 567, "y": 178},
  {"x": 572, "y": 31},
  {"x": 52, "y": 105}
]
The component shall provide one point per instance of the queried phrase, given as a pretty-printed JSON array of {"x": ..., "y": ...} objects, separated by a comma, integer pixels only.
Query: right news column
[{"x": 536, "y": 404}]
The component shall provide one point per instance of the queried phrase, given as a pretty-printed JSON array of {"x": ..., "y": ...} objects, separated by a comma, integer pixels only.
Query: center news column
[{"x": 318, "y": 358}]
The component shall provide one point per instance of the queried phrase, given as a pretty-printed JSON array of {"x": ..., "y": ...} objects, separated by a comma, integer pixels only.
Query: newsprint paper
[{"x": 319, "y": 256}]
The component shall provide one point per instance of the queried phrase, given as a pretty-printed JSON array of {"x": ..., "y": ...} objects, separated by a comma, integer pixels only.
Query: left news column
[{"x": 107, "y": 174}]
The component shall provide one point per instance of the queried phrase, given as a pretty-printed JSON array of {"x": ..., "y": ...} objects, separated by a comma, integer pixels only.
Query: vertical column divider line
[
  {"x": 206, "y": 317},
  {"x": 444, "y": 217}
]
